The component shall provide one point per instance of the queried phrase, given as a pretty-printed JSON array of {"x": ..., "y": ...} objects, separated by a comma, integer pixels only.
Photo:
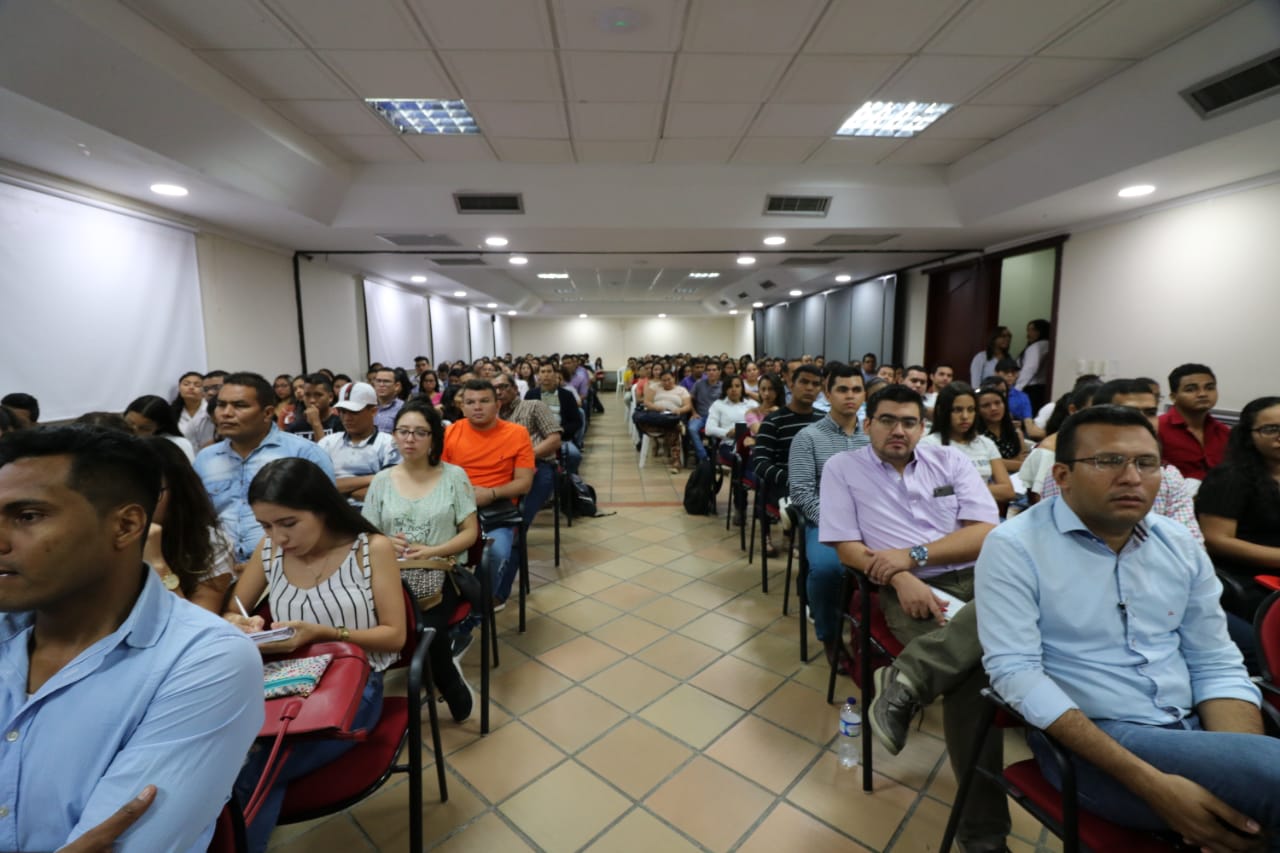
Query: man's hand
[
  {"x": 1201, "y": 818},
  {"x": 102, "y": 838},
  {"x": 917, "y": 599},
  {"x": 885, "y": 564}
]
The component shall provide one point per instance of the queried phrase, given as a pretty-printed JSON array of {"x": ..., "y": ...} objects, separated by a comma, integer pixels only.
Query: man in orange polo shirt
[{"x": 498, "y": 458}]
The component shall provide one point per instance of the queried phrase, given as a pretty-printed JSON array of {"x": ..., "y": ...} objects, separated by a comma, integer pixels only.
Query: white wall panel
[
  {"x": 450, "y": 332},
  {"x": 333, "y": 321},
  {"x": 502, "y": 334},
  {"x": 614, "y": 339},
  {"x": 397, "y": 322},
  {"x": 250, "y": 313},
  {"x": 481, "y": 332}
]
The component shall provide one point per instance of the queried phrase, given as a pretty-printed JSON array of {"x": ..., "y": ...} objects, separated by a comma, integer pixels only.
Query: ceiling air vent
[
  {"x": 459, "y": 262},
  {"x": 489, "y": 202},
  {"x": 443, "y": 241},
  {"x": 1252, "y": 81},
  {"x": 767, "y": 285},
  {"x": 855, "y": 239},
  {"x": 796, "y": 205},
  {"x": 820, "y": 261}
]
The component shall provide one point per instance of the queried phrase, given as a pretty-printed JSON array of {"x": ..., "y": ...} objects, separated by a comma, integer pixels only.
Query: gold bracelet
[{"x": 343, "y": 634}]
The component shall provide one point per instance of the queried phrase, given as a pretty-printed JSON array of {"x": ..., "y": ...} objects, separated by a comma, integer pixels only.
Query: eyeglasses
[
  {"x": 1269, "y": 430},
  {"x": 1114, "y": 463},
  {"x": 404, "y": 433},
  {"x": 498, "y": 386},
  {"x": 891, "y": 422}
]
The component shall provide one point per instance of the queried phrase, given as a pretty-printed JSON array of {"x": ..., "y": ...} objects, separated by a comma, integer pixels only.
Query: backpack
[
  {"x": 701, "y": 489},
  {"x": 581, "y": 496}
]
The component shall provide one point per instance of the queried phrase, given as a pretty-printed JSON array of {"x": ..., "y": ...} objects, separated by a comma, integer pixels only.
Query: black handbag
[
  {"x": 468, "y": 586},
  {"x": 500, "y": 513}
]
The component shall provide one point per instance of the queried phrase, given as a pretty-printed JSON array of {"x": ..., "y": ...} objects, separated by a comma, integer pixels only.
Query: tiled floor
[{"x": 656, "y": 702}]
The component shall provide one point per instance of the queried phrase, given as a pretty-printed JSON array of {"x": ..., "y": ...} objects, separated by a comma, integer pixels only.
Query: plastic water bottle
[{"x": 850, "y": 729}]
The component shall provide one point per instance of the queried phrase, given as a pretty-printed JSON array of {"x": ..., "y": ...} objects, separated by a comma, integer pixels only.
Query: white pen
[{"x": 243, "y": 612}]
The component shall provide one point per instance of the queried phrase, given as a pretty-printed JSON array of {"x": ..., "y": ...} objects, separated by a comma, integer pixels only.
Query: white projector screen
[
  {"x": 450, "y": 331},
  {"x": 98, "y": 308},
  {"x": 398, "y": 325}
]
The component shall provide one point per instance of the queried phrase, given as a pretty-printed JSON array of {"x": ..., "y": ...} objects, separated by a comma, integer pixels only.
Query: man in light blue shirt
[
  {"x": 109, "y": 683},
  {"x": 246, "y": 421},
  {"x": 1100, "y": 623}
]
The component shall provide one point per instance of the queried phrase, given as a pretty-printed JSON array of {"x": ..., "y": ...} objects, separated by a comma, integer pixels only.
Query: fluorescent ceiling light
[
  {"x": 797, "y": 293},
  {"x": 582, "y": 316},
  {"x": 495, "y": 241},
  {"x": 511, "y": 313},
  {"x": 704, "y": 275},
  {"x": 733, "y": 310},
  {"x": 459, "y": 293},
  {"x": 775, "y": 240},
  {"x": 757, "y": 304},
  {"x": 491, "y": 305},
  {"x": 552, "y": 274},
  {"x": 887, "y": 118},
  {"x": 169, "y": 189},
  {"x": 418, "y": 279},
  {"x": 844, "y": 278},
  {"x": 518, "y": 260},
  {"x": 662, "y": 315},
  {"x": 746, "y": 260},
  {"x": 426, "y": 115},
  {"x": 1128, "y": 192}
]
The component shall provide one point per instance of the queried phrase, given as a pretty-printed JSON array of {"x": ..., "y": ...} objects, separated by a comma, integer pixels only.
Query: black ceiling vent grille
[
  {"x": 742, "y": 295},
  {"x": 796, "y": 205},
  {"x": 767, "y": 285},
  {"x": 1252, "y": 81},
  {"x": 440, "y": 241},
  {"x": 489, "y": 202},
  {"x": 459, "y": 262},
  {"x": 820, "y": 261},
  {"x": 856, "y": 239}
]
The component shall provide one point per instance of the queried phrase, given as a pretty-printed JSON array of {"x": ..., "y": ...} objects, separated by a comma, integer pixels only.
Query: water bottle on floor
[{"x": 850, "y": 729}]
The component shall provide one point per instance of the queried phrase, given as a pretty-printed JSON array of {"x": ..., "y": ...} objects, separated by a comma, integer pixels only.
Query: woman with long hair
[
  {"x": 192, "y": 413},
  {"x": 186, "y": 546},
  {"x": 330, "y": 576},
  {"x": 955, "y": 424},
  {"x": 772, "y": 395},
  {"x": 429, "y": 387},
  {"x": 995, "y": 422},
  {"x": 751, "y": 380},
  {"x": 524, "y": 377},
  {"x": 404, "y": 385},
  {"x": 285, "y": 401},
  {"x": 151, "y": 415},
  {"x": 1033, "y": 363},
  {"x": 429, "y": 509},
  {"x": 984, "y": 363},
  {"x": 449, "y": 408}
]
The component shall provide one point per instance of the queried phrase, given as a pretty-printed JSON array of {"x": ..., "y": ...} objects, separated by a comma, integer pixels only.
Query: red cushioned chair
[
  {"x": 1058, "y": 810},
  {"x": 228, "y": 832},
  {"x": 489, "y": 628},
  {"x": 1266, "y": 629}
]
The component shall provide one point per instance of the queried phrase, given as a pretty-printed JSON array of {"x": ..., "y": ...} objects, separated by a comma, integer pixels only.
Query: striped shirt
[
  {"x": 773, "y": 443},
  {"x": 344, "y": 599},
  {"x": 810, "y": 450}
]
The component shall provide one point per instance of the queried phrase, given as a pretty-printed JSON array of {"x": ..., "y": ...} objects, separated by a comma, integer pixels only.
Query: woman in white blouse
[
  {"x": 731, "y": 409},
  {"x": 1033, "y": 364},
  {"x": 955, "y": 424}
]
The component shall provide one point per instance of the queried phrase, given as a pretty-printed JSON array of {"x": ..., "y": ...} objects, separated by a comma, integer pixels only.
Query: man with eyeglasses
[
  {"x": 1100, "y": 623},
  {"x": 912, "y": 518},
  {"x": 544, "y": 431},
  {"x": 360, "y": 450},
  {"x": 389, "y": 405}
]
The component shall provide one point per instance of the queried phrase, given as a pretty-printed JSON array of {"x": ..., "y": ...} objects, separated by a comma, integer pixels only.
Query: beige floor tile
[
  {"x": 722, "y": 552},
  {"x": 718, "y": 631},
  {"x": 629, "y": 633},
  {"x": 695, "y": 567},
  {"x": 589, "y": 582},
  {"x": 592, "y": 554},
  {"x": 454, "y": 736},
  {"x": 692, "y": 715},
  {"x": 737, "y": 576},
  {"x": 625, "y": 567},
  {"x": 503, "y": 762},
  {"x": 384, "y": 816},
  {"x": 563, "y": 810},
  {"x": 760, "y": 610},
  {"x": 541, "y": 633},
  {"x": 574, "y": 718},
  {"x": 678, "y": 656},
  {"x": 586, "y": 614},
  {"x": 802, "y": 711},
  {"x": 788, "y": 828},
  {"x": 915, "y": 764},
  {"x": 771, "y": 652},
  {"x": 709, "y": 803},
  {"x": 635, "y": 757},
  {"x": 925, "y": 828},
  {"x": 631, "y": 684},
  {"x": 659, "y": 554},
  {"x": 703, "y": 594},
  {"x": 641, "y": 832},
  {"x": 734, "y": 680},
  {"x": 487, "y": 833},
  {"x": 835, "y": 796},
  {"x": 526, "y": 686},
  {"x": 662, "y": 579},
  {"x": 626, "y": 596},
  {"x": 337, "y": 834},
  {"x": 580, "y": 658},
  {"x": 551, "y": 597},
  {"x": 668, "y": 612},
  {"x": 763, "y": 753},
  {"x": 816, "y": 673}
]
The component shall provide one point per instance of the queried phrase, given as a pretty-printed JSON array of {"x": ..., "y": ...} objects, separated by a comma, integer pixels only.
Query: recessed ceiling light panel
[
  {"x": 1136, "y": 191},
  {"x": 430, "y": 116},
  {"x": 757, "y": 304},
  {"x": 797, "y": 293},
  {"x": 582, "y": 316},
  {"x": 552, "y": 274},
  {"x": 169, "y": 189},
  {"x": 662, "y": 316},
  {"x": 496, "y": 241},
  {"x": 746, "y": 260},
  {"x": 704, "y": 275},
  {"x": 518, "y": 260},
  {"x": 844, "y": 279},
  {"x": 733, "y": 310},
  {"x": 890, "y": 118},
  {"x": 418, "y": 279},
  {"x": 491, "y": 305},
  {"x": 511, "y": 313},
  {"x": 775, "y": 240}
]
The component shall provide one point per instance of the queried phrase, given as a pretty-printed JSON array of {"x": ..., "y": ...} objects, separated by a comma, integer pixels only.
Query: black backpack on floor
[
  {"x": 701, "y": 489},
  {"x": 581, "y": 496}
]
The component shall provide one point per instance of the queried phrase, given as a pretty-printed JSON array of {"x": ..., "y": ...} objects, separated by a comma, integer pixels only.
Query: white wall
[
  {"x": 917, "y": 310},
  {"x": 399, "y": 328},
  {"x": 333, "y": 318},
  {"x": 250, "y": 315},
  {"x": 481, "y": 332},
  {"x": 614, "y": 339},
  {"x": 1026, "y": 292},
  {"x": 450, "y": 332},
  {"x": 1191, "y": 283},
  {"x": 744, "y": 335},
  {"x": 502, "y": 334}
]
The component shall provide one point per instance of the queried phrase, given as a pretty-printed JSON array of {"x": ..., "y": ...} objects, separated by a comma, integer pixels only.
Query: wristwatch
[
  {"x": 343, "y": 634},
  {"x": 920, "y": 553},
  {"x": 170, "y": 581}
]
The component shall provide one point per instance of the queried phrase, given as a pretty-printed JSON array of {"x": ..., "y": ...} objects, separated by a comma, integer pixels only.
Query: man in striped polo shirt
[
  {"x": 769, "y": 457},
  {"x": 810, "y": 449}
]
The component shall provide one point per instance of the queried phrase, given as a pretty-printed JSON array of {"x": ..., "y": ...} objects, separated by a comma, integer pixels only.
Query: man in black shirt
[
  {"x": 773, "y": 441},
  {"x": 318, "y": 419}
]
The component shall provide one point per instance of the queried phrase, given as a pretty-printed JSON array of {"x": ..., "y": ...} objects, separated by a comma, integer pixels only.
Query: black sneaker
[
  {"x": 460, "y": 643},
  {"x": 891, "y": 710},
  {"x": 459, "y": 699}
]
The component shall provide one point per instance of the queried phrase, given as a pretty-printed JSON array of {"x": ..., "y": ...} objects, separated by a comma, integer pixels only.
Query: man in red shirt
[{"x": 1193, "y": 440}]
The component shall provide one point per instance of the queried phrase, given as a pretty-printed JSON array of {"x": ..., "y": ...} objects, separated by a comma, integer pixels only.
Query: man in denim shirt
[{"x": 246, "y": 420}]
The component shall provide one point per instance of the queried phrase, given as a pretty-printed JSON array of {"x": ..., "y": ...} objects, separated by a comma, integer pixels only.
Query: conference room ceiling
[{"x": 642, "y": 152}]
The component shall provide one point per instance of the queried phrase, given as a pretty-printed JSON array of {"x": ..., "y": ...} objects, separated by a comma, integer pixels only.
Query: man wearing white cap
[{"x": 361, "y": 451}]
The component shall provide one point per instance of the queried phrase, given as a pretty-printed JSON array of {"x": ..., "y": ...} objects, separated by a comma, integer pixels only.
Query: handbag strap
[{"x": 275, "y": 761}]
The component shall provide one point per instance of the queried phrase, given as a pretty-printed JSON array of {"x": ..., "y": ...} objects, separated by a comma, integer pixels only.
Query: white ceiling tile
[
  {"x": 285, "y": 75},
  {"x": 616, "y": 76},
  {"x": 981, "y": 122},
  {"x": 710, "y": 77},
  {"x": 880, "y": 26},
  {"x": 933, "y": 152},
  {"x": 691, "y": 121},
  {"x": 618, "y": 151},
  {"x": 1008, "y": 27},
  {"x": 505, "y": 76},
  {"x": 391, "y": 73},
  {"x": 1049, "y": 81},
  {"x": 615, "y": 121},
  {"x": 761, "y": 150},
  {"x": 227, "y": 25},
  {"x": 779, "y": 120},
  {"x": 751, "y": 26},
  {"x": 370, "y": 149},
  {"x": 533, "y": 150},
  {"x": 449, "y": 149},
  {"x": 485, "y": 24},
  {"x": 1135, "y": 29},
  {"x": 835, "y": 79},
  {"x": 696, "y": 150},
  {"x": 524, "y": 119},
  {"x": 855, "y": 150},
  {"x": 943, "y": 79},
  {"x": 657, "y": 25},
  {"x": 332, "y": 118},
  {"x": 371, "y": 24}
]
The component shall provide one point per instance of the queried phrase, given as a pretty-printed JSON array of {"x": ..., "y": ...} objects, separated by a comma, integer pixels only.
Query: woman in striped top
[{"x": 329, "y": 575}]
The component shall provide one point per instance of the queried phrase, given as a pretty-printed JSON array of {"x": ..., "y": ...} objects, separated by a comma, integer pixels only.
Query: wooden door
[{"x": 963, "y": 304}]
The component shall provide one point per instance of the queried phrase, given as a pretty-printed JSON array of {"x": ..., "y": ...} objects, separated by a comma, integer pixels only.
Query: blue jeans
[
  {"x": 582, "y": 427},
  {"x": 823, "y": 588},
  {"x": 695, "y": 436},
  {"x": 498, "y": 563},
  {"x": 305, "y": 757},
  {"x": 544, "y": 482},
  {"x": 1242, "y": 770},
  {"x": 572, "y": 457}
]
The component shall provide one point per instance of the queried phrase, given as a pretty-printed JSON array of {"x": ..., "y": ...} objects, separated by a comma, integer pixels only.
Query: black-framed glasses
[
  {"x": 891, "y": 422},
  {"x": 405, "y": 432},
  {"x": 1269, "y": 430},
  {"x": 1114, "y": 463}
]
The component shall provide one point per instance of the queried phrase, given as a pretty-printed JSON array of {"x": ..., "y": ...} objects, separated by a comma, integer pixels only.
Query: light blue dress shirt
[
  {"x": 172, "y": 698},
  {"x": 1066, "y": 622},
  {"x": 227, "y": 477}
]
